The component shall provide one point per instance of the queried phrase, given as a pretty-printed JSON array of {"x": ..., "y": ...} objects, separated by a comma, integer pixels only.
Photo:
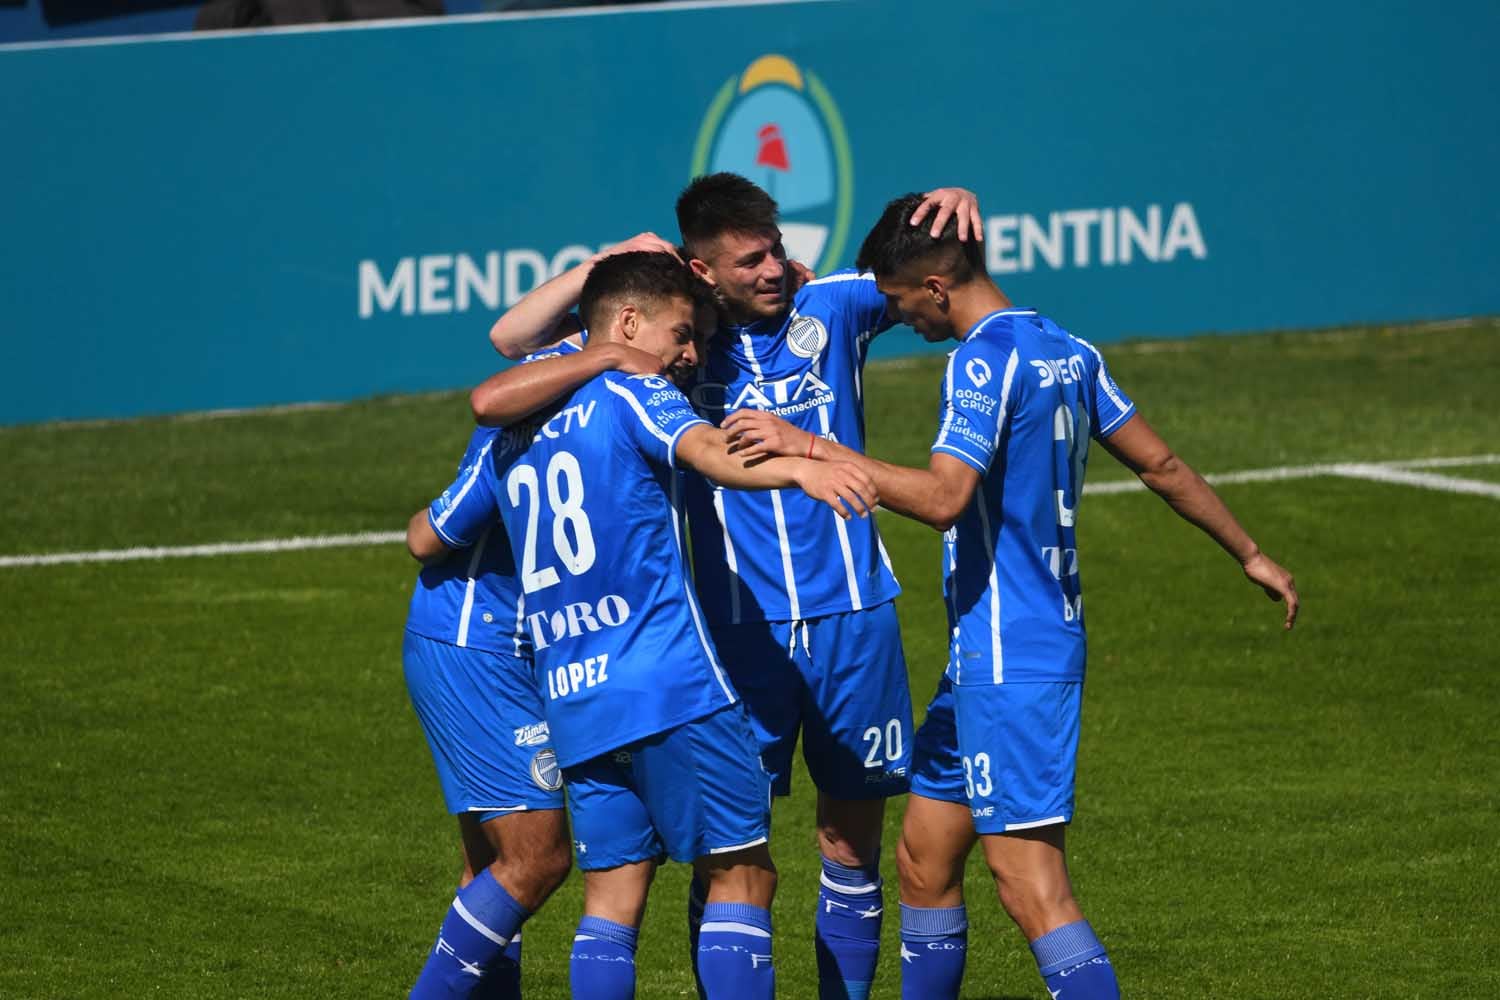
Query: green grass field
[{"x": 212, "y": 785}]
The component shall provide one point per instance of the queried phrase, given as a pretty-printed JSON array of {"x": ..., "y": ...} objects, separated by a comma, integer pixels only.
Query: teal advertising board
[{"x": 262, "y": 218}]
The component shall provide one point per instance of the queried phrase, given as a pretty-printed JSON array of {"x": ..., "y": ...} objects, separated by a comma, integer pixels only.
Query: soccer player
[
  {"x": 657, "y": 753},
  {"x": 468, "y": 673},
  {"x": 798, "y": 601},
  {"x": 995, "y": 756}
]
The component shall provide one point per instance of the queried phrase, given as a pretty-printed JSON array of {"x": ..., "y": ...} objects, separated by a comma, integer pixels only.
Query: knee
[
  {"x": 925, "y": 882},
  {"x": 1032, "y": 901},
  {"x": 534, "y": 872}
]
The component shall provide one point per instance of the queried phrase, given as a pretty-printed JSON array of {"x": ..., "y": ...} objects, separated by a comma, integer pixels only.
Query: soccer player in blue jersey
[
  {"x": 798, "y": 601},
  {"x": 995, "y": 757},
  {"x": 657, "y": 753},
  {"x": 468, "y": 672}
]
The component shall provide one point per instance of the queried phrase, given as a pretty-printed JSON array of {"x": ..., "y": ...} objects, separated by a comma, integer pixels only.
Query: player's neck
[{"x": 970, "y": 303}]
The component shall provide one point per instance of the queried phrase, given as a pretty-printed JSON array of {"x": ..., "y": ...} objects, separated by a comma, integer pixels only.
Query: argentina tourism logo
[{"x": 776, "y": 124}]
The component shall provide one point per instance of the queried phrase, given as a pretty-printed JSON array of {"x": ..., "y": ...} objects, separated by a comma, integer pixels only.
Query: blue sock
[
  {"x": 603, "y": 965},
  {"x": 734, "y": 952},
  {"x": 847, "y": 930},
  {"x": 503, "y": 982},
  {"x": 470, "y": 945},
  {"x": 1074, "y": 965},
  {"x": 934, "y": 944},
  {"x": 697, "y": 898}
]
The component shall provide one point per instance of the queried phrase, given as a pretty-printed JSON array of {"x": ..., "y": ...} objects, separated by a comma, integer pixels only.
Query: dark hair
[
  {"x": 722, "y": 203},
  {"x": 643, "y": 277},
  {"x": 894, "y": 246}
]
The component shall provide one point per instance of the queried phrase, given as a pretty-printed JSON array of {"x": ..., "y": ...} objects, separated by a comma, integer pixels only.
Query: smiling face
[
  {"x": 748, "y": 272},
  {"x": 665, "y": 327}
]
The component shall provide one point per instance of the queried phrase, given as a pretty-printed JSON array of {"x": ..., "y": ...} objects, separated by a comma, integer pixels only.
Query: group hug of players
[{"x": 657, "y": 566}]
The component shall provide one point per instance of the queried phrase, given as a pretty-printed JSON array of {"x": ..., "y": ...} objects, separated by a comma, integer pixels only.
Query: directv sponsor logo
[{"x": 1065, "y": 370}]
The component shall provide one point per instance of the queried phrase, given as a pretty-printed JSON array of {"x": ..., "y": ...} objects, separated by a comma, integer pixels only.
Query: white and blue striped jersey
[
  {"x": 779, "y": 555},
  {"x": 471, "y": 597},
  {"x": 591, "y": 503},
  {"x": 1021, "y": 398}
]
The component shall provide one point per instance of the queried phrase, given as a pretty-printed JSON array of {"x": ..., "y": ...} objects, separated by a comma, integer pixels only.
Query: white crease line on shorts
[{"x": 1398, "y": 472}]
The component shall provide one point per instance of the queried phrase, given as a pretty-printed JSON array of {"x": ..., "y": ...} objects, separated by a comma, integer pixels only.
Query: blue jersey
[
  {"x": 591, "y": 504},
  {"x": 1021, "y": 399},
  {"x": 779, "y": 555},
  {"x": 471, "y": 598}
]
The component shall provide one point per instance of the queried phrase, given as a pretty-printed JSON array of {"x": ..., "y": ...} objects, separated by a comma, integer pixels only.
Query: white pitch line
[
  {"x": 218, "y": 549},
  {"x": 1386, "y": 472},
  {"x": 1426, "y": 480}
]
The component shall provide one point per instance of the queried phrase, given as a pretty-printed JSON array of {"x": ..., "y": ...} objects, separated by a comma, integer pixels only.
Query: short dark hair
[
  {"x": 641, "y": 276},
  {"x": 722, "y": 203},
  {"x": 895, "y": 247}
]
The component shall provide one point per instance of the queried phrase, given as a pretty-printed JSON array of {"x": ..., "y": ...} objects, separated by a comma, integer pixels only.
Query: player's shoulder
[{"x": 835, "y": 288}]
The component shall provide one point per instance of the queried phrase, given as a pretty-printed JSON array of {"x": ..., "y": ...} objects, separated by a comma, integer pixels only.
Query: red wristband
[{"x": 812, "y": 441}]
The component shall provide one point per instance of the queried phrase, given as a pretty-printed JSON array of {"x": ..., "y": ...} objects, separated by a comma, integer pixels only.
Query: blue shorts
[
  {"x": 1007, "y": 751},
  {"x": 841, "y": 680},
  {"x": 483, "y": 718},
  {"x": 694, "y": 790}
]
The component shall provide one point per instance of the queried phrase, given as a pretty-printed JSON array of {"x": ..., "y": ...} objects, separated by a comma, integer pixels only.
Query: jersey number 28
[{"x": 565, "y": 497}]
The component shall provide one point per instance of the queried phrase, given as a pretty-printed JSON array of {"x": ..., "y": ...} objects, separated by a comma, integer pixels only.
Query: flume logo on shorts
[{"x": 777, "y": 124}]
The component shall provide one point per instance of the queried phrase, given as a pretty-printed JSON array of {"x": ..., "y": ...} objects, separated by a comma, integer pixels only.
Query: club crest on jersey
[
  {"x": 777, "y": 124},
  {"x": 807, "y": 336},
  {"x": 978, "y": 371},
  {"x": 545, "y": 772}
]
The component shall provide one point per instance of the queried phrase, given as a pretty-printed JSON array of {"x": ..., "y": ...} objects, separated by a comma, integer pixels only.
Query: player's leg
[
  {"x": 937, "y": 835},
  {"x": 469, "y": 702},
  {"x": 709, "y": 799},
  {"x": 756, "y": 658},
  {"x": 617, "y": 850},
  {"x": 857, "y": 742},
  {"x": 1019, "y": 744},
  {"x": 526, "y": 852}
]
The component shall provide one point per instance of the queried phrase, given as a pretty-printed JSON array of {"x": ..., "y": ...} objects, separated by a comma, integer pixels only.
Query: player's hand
[
  {"x": 756, "y": 434},
  {"x": 632, "y": 360},
  {"x": 1276, "y": 582},
  {"x": 648, "y": 242},
  {"x": 841, "y": 485},
  {"x": 948, "y": 202},
  {"x": 797, "y": 275}
]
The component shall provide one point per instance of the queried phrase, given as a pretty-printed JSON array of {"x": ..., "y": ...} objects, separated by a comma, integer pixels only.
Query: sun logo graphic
[{"x": 776, "y": 124}]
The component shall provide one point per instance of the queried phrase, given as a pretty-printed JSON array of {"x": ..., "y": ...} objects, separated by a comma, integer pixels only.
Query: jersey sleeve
[
  {"x": 652, "y": 413},
  {"x": 557, "y": 350},
  {"x": 468, "y": 506},
  {"x": 977, "y": 399},
  {"x": 854, "y": 292},
  {"x": 1111, "y": 406}
]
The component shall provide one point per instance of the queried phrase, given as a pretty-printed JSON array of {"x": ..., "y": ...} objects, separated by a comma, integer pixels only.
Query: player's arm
[
  {"x": 515, "y": 393},
  {"x": 422, "y": 542},
  {"x": 841, "y": 485},
  {"x": 1141, "y": 450},
  {"x": 540, "y": 319},
  {"x": 936, "y": 495}
]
